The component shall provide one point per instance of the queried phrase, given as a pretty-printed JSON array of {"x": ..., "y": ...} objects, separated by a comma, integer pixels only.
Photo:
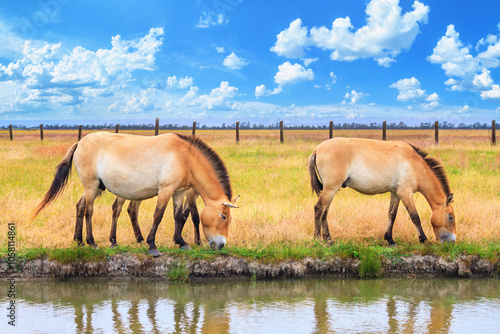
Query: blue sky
[{"x": 308, "y": 62}]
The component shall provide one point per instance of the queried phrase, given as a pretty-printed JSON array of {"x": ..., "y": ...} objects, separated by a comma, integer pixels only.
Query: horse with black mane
[
  {"x": 375, "y": 167},
  {"x": 140, "y": 167}
]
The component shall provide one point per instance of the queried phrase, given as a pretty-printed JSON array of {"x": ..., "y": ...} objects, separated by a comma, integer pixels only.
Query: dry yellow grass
[{"x": 276, "y": 202}]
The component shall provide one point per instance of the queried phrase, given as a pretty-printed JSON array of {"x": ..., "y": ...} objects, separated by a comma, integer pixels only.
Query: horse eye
[
  {"x": 222, "y": 216},
  {"x": 450, "y": 218}
]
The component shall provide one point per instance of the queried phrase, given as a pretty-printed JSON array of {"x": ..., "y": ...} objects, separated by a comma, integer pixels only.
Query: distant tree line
[{"x": 248, "y": 126}]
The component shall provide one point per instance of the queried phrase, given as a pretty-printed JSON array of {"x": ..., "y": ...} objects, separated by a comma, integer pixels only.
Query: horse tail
[
  {"x": 316, "y": 182},
  {"x": 60, "y": 179}
]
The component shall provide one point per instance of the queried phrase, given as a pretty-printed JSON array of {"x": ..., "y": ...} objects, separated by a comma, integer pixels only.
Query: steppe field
[{"x": 276, "y": 204}]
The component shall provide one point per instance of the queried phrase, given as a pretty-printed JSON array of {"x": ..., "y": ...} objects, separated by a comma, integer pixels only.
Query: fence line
[{"x": 281, "y": 128}]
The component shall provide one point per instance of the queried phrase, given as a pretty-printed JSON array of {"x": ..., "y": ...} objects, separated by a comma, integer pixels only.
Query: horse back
[
  {"x": 133, "y": 167},
  {"x": 368, "y": 166}
]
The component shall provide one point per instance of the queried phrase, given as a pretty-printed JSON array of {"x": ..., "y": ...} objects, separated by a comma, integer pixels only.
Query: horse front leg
[
  {"x": 80, "y": 214},
  {"x": 117, "y": 209},
  {"x": 393, "y": 210},
  {"x": 163, "y": 198},
  {"x": 179, "y": 222},
  {"x": 133, "y": 213},
  {"x": 407, "y": 199},
  {"x": 190, "y": 207}
]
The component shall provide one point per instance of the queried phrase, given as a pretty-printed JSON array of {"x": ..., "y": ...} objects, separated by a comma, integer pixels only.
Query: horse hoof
[
  {"x": 154, "y": 252},
  {"x": 94, "y": 246},
  {"x": 113, "y": 245},
  {"x": 185, "y": 247}
]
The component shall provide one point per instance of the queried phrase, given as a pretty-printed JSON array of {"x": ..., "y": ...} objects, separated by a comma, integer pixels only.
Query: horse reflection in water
[
  {"x": 319, "y": 306},
  {"x": 140, "y": 167},
  {"x": 375, "y": 167}
]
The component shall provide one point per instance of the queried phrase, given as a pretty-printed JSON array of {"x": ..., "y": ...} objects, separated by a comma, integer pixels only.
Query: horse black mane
[
  {"x": 216, "y": 162},
  {"x": 436, "y": 167}
]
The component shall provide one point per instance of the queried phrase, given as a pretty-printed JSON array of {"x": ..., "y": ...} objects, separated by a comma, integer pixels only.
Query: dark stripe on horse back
[
  {"x": 436, "y": 167},
  {"x": 216, "y": 162}
]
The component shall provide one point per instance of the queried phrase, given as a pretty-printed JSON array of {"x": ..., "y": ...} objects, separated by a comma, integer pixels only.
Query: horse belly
[
  {"x": 128, "y": 182},
  {"x": 371, "y": 181}
]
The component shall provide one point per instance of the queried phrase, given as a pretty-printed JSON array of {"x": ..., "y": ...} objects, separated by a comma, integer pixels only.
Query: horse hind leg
[
  {"x": 117, "y": 209},
  {"x": 393, "y": 210},
  {"x": 133, "y": 212},
  {"x": 161, "y": 204},
  {"x": 80, "y": 214},
  {"x": 90, "y": 196},
  {"x": 321, "y": 212}
]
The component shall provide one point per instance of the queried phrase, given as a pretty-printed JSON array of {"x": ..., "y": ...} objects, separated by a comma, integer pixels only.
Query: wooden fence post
[
  {"x": 41, "y": 131},
  {"x": 281, "y": 131},
  {"x": 117, "y": 128},
  {"x": 80, "y": 132},
  {"x": 194, "y": 129},
  {"x": 157, "y": 126},
  {"x": 384, "y": 130},
  {"x": 493, "y": 133},
  {"x": 331, "y": 130},
  {"x": 436, "y": 132},
  {"x": 237, "y": 132},
  {"x": 10, "y": 132}
]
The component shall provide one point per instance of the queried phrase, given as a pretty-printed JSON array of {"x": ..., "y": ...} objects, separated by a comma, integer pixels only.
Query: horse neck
[
  {"x": 204, "y": 179},
  {"x": 431, "y": 188}
]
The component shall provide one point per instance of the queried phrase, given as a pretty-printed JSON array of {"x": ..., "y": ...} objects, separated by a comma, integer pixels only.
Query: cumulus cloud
[
  {"x": 181, "y": 83},
  {"x": 353, "y": 97},
  {"x": 410, "y": 91},
  {"x": 50, "y": 74},
  {"x": 263, "y": 91},
  {"x": 234, "y": 62},
  {"x": 465, "y": 110},
  {"x": 290, "y": 74},
  {"x": 219, "y": 49},
  {"x": 143, "y": 101},
  {"x": 211, "y": 18},
  {"x": 333, "y": 77},
  {"x": 386, "y": 34},
  {"x": 466, "y": 71},
  {"x": 217, "y": 98}
]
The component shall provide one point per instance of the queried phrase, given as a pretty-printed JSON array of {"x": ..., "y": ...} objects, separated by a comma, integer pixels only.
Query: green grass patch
[{"x": 178, "y": 272}]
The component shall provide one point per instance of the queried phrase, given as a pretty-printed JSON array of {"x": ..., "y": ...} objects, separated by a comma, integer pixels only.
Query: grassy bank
[{"x": 275, "y": 218}]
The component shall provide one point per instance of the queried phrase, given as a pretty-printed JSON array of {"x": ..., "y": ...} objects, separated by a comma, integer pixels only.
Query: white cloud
[
  {"x": 467, "y": 72},
  {"x": 409, "y": 90},
  {"x": 210, "y": 18},
  {"x": 263, "y": 91},
  {"x": 465, "y": 110},
  {"x": 49, "y": 74},
  {"x": 308, "y": 61},
  {"x": 493, "y": 93},
  {"x": 498, "y": 110},
  {"x": 234, "y": 62},
  {"x": 139, "y": 103},
  {"x": 386, "y": 34},
  {"x": 292, "y": 41},
  {"x": 219, "y": 49},
  {"x": 216, "y": 98},
  {"x": 353, "y": 97},
  {"x": 333, "y": 77},
  {"x": 182, "y": 83},
  {"x": 290, "y": 74}
]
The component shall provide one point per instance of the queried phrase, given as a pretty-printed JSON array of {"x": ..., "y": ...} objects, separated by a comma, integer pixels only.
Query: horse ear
[
  {"x": 234, "y": 200},
  {"x": 449, "y": 200},
  {"x": 230, "y": 205}
]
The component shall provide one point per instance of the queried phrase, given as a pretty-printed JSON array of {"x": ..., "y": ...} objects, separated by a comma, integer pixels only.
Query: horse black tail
[
  {"x": 316, "y": 183},
  {"x": 60, "y": 179}
]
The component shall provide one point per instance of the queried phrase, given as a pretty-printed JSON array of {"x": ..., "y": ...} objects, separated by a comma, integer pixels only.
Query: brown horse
[
  {"x": 374, "y": 167},
  {"x": 140, "y": 167},
  {"x": 189, "y": 207}
]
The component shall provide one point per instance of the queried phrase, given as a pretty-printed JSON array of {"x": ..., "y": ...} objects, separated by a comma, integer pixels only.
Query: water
[{"x": 296, "y": 306}]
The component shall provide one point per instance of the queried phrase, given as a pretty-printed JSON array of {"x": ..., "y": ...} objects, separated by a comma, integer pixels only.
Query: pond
[{"x": 287, "y": 306}]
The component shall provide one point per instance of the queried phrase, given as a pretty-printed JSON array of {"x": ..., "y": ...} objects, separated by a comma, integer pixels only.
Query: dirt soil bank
[{"x": 131, "y": 266}]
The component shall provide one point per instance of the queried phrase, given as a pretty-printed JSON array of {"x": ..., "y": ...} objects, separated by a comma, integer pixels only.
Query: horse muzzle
[
  {"x": 448, "y": 237},
  {"x": 217, "y": 242}
]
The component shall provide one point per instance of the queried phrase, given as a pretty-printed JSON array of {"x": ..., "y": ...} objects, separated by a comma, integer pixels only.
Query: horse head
[
  {"x": 215, "y": 219},
  {"x": 443, "y": 221}
]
